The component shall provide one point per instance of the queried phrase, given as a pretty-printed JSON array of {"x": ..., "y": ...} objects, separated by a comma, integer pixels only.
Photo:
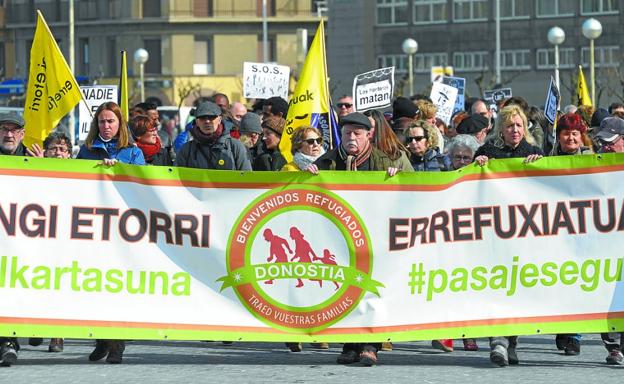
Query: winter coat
[
  {"x": 432, "y": 161},
  {"x": 225, "y": 154},
  {"x": 108, "y": 150},
  {"x": 523, "y": 149}
]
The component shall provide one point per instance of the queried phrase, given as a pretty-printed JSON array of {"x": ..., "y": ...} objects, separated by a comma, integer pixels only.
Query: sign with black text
[
  {"x": 94, "y": 96},
  {"x": 373, "y": 89},
  {"x": 263, "y": 80}
]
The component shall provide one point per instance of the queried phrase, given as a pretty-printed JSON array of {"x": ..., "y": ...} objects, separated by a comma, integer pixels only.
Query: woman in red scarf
[{"x": 147, "y": 140}]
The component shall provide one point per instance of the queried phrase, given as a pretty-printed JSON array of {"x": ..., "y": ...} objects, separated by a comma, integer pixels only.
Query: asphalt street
[{"x": 206, "y": 362}]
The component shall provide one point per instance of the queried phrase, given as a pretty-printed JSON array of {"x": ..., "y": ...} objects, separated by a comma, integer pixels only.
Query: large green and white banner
[{"x": 128, "y": 252}]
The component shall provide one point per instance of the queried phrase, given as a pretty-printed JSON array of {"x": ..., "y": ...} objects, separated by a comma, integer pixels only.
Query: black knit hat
[
  {"x": 472, "y": 124},
  {"x": 404, "y": 107}
]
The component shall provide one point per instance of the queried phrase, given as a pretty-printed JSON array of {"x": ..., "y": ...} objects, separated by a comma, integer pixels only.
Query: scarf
[
  {"x": 354, "y": 161},
  {"x": 150, "y": 150},
  {"x": 202, "y": 138},
  {"x": 303, "y": 161}
]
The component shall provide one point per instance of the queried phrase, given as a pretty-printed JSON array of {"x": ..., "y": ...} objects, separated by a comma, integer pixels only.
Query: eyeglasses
[
  {"x": 462, "y": 158},
  {"x": 60, "y": 149},
  {"x": 344, "y": 105},
  {"x": 409, "y": 139},
  {"x": 316, "y": 140},
  {"x": 12, "y": 130}
]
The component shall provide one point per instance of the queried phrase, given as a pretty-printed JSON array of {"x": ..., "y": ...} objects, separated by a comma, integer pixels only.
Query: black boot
[
  {"x": 116, "y": 349},
  {"x": 56, "y": 345},
  {"x": 8, "y": 353},
  {"x": 100, "y": 351}
]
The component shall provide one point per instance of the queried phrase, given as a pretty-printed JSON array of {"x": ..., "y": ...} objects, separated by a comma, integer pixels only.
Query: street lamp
[
  {"x": 592, "y": 29},
  {"x": 410, "y": 46},
  {"x": 556, "y": 37},
  {"x": 140, "y": 57}
]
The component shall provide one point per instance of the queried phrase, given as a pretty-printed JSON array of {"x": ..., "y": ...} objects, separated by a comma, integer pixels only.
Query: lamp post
[
  {"x": 592, "y": 29},
  {"x": 556, "y": 37},
  {"x": 140, "y": 57},
  {"x": 410, "y": 46}
]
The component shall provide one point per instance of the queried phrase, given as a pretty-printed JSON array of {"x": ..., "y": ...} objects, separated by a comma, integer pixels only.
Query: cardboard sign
[
  {"x": 552, "y": 101},
  {"x": 444, "y": 96},
  {"x": 263, "y": 80},
  {"x": 373, "y": 89},
  {"x": 460, "y": 84},
  {"x": 94, "y": 96},
  {"x": 438, "y": 73},
  {"x": 497, "y": 95}
]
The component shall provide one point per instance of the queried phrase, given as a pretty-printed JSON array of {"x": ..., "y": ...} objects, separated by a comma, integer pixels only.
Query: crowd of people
[{"x": 406, "y": 139}]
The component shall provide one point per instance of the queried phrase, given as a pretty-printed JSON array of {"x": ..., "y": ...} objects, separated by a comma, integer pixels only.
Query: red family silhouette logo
[{"x": 299, "y": 258}]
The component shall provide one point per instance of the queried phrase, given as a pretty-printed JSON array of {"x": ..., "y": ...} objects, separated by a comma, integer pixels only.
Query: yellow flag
[
  {"x": 52, "y": 89},
  {"x": 123, "y": 87},
  {"x": 582, "y": 93},
  {"x": 310, "y": 103}
]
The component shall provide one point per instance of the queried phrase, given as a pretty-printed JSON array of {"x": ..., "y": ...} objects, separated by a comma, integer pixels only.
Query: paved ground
[{"x": 190, "y": 362}]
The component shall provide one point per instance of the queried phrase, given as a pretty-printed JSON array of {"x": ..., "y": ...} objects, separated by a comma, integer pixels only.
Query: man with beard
[
  {"x": 212, "y": 147},
  {"x": 11, "y": 134}
]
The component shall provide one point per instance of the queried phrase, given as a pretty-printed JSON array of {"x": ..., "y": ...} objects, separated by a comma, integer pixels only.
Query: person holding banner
[
  {"x": 109, "y": 138},
  {"x": 572, "y": 136},
  {"x": 386, "y": 141},
  {"x": 421, "y": 139},
  {"x": 145, "y": 132}
]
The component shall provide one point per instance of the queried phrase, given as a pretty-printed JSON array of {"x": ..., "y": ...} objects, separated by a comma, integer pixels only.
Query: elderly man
[
  {"x": 611, "y": 135},
  {"x": 344, "y": 106},
  {"x": 11, "y": 134},
  {"x": 355, "y": 153},
  {"x": 476, "y": 125},
  {"x": 238, "y": 110}
]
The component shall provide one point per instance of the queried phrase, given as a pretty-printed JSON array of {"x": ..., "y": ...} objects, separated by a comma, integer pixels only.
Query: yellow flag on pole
[
  {"x": 310, "y": 104},
  {"x": 582, "y": 93},
  {"x": 123, "y": 87},
  {"x": 52, "y": 89}
]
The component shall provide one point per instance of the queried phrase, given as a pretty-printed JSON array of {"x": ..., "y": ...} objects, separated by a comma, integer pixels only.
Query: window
[
  {"x": 430, "y": 11},
  {"x": 203, "y": 8},
  {"x": 470, "y": 61},
  {"x": 154, "y": 63},
  {"x": 391, "y": 12},
  {"x": 399, "y": 62},
  {"x": 271, "y": 49},
  {"x": 111, "y": 54},
  {"x": 151, "y": 8},
  {"x": 424, "y": 61},
  {"x": 599, "y": 6},
  {"x": 550, "y": 8},
  {"x": 203, "y": 56},
  {"x": 515, "y": 59},
  {"x": 83, "y": 56},
  {"x": 515, "y": 9},
  {"x": 86, "y": 9},
  {"x": 603, "y": 56},
  {"x": 470, "y": 10},
  {"x": 546, "y": 58}
]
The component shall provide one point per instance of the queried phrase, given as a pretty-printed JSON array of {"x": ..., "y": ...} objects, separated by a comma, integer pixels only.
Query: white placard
[
  {"x": 444, "y": 96},
  {"x": 94, "y": 96},
  {"x": 373, "y": 89},
  {"x": 263, "y": 80}
]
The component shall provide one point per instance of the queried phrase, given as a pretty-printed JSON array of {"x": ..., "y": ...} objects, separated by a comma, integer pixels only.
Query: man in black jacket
[{"x": 11, "y": 134}]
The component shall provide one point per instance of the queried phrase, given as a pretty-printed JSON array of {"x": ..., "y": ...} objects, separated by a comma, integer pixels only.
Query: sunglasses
[
  {"x": 316, "y": 140},
  {"x": 344, "y": 105},
  {"x": 409, "y": 139}
]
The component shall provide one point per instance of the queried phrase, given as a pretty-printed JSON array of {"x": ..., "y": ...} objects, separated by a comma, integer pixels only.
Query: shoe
[
  {"x": 8, "y": 354},
  {"x": 320, "y": 345},
  {"x": 615, "y": 357},
  {"x": 295, "y": 347},
  {"x": 115, "y": 351},
  {"x": 348, "y": 357},
  {"x": 573, "y": 347},
  {"x": 100, "y": 351},
  {"x": 561, "y": 341},
  {"x": 498, "y": 356},
  {"x": 56, "y": 345},
  {"x": 227, "y": 342},
  {"x": 35, "y": 341},
  {"x": 368, "y": 357},
  {"x": 470, "y": 345},
  {"x": 512, "y": 357},
  {"x": 445, "y": 345},
  {"x": 387, "y": 346}
]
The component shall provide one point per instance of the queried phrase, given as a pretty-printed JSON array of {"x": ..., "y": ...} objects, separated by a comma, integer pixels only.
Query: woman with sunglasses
[
  {"x": 421, "y": 139},
  {"x": 307, "y": 146}
]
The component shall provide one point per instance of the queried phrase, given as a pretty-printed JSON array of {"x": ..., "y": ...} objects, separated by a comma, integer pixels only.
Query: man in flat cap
[
  {"x": 212, "y": 146},
  {"x": 12, "y": 134},
  {"x": 475, "y": 125}
]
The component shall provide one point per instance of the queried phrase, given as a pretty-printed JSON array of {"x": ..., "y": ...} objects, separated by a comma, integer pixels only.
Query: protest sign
[
  {"x": 94, "y": 96},
  {"x": 552, "y": 102},
  {"x": 263, "y": 80},
  {"x": 290, "y": 256},
  {"x": 497, "y": 95},
  {"x": 444, "y": 96},
  {"x": 460, "y": 84},
  {"x": 373, "y": 89}
]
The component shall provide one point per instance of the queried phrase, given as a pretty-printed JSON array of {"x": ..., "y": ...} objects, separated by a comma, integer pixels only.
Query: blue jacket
[
  {"x": 432, "y": 161},
  {"x": 101, "y": 150}
]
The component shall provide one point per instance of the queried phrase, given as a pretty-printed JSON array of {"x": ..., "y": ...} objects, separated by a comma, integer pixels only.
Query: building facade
[
  {"x": 368, "y": 34},
  {"x": 196, "y": 47}
]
